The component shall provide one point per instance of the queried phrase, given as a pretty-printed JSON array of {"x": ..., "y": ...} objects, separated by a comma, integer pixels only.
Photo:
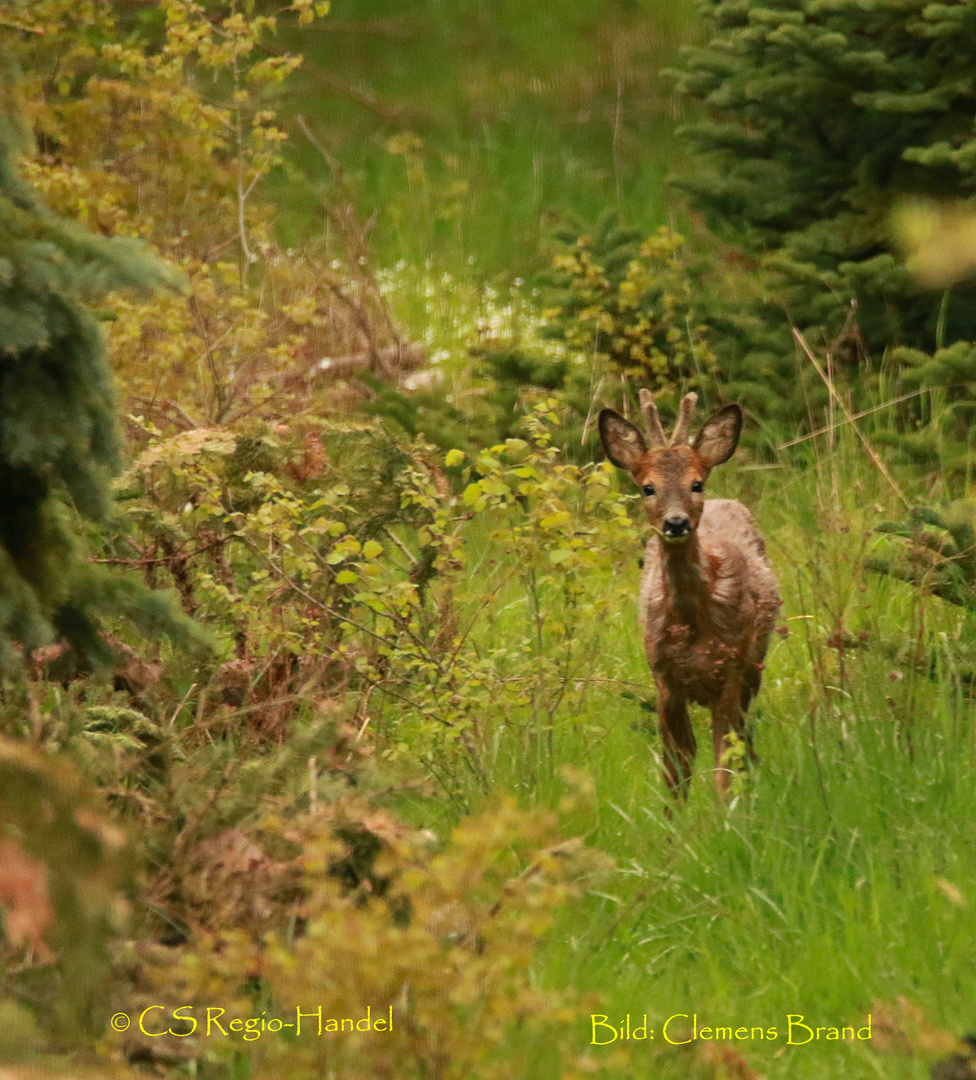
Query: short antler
[
  {"x": 651, "y": 415},
  {"x": 683, "y": 427}
]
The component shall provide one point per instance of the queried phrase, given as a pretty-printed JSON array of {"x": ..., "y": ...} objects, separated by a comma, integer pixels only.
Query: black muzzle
[{"x": 677, "y": 527}]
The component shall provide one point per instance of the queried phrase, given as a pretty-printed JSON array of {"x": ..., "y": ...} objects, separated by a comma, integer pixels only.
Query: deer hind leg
[
  {"x": 678, "y": 739},
  {"x": 751, "y": 682}
]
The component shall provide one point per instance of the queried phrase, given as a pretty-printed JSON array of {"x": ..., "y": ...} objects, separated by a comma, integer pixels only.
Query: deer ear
[
  {"x": 623, "y": 443},
  {"x": 717, "y": 440}
]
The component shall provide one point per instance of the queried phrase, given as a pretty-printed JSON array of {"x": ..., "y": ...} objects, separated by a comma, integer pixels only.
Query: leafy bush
[
  {"x": 457, "y": 677},
  {"x": 256, "y": 529},
  {"x": 333, "y": 558},
  {"x": 443, "y": 950},
  {"x": 168, "y": 132},
  {"x": 630, "y": 301}
]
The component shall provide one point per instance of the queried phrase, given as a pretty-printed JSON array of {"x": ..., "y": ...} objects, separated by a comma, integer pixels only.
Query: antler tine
[
  {"x": 685, "y": 412},
  {"x": 651, "y": 415}
]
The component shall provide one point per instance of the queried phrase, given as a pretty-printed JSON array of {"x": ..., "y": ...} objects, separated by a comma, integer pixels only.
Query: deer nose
[{"x": 676, "y": 526}]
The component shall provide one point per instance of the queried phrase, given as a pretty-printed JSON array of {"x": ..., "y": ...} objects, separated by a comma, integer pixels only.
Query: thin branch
[
  {"x": 856, "y": 416},
  {"x": 394, "y": 114},
  {"x": 144, "y": 562},
  {"x": 164, "y": 410},
  {"x": 400, "y": 544},
  {"x": 872, "y": 453}
]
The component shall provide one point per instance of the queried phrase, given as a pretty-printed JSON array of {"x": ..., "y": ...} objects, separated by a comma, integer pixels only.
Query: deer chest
[{"x": 698, "y": 662}]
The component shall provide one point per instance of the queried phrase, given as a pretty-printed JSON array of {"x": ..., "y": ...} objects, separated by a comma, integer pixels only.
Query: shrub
[
  {"x": 334, "y": 559},
  {"x": 166, "y": 130},
  {"x": 630, "y": 301},
  {"x": 445, "y": 949}
]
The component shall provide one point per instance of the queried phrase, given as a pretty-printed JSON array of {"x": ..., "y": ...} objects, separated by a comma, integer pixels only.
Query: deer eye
[
  {"x": 697, "y": 486},
  {"x": 648, "y": 489}
]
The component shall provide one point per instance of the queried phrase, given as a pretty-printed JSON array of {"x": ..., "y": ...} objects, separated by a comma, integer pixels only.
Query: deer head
[{"x": 671, "y": 473}]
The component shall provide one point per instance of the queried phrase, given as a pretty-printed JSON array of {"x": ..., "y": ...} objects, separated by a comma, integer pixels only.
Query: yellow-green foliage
[
  {"x": 336, "y": 559},
  {"x": 336, "y": 574},
  {"x": 446, "y": 952},
  {"x": 635, "y": 308},
  {"x": 169, "y": 140},
  {"x": 555, "y": 527}
]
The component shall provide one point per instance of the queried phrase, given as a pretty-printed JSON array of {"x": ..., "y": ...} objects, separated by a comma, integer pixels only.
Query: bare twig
[
  {"x": 856, "y": 416},
  {"x": 183, "y": 701},
  {"x": 835, "y": 397},
  {"x": 165, "y": 408},
  {"x": 391, "y": 114},
  {"x": 400, "y": 544}
]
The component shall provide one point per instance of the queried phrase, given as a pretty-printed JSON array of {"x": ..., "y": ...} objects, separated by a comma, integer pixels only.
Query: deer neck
[{"x": 684, "y": 582}]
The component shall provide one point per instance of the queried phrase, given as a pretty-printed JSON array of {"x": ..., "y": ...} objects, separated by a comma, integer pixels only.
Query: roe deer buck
[{"x": 709, "y": 597}]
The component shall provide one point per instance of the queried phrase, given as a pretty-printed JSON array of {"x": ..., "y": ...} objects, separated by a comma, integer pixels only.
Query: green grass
[{"x": 463, "y": 130}]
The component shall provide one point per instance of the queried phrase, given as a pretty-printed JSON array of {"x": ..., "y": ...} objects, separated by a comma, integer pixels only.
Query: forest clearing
[{"x": 328, "y": 741}]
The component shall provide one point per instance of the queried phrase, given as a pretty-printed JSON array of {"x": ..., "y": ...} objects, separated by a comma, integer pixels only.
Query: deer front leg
[
  {"x": 727, "y": 716},
  {"x": 677, "y": 738}
]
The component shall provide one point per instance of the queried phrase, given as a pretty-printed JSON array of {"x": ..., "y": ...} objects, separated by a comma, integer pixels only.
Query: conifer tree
[
  {"x": 817, "y": 117},
  {"x": 57, "y": 436}
]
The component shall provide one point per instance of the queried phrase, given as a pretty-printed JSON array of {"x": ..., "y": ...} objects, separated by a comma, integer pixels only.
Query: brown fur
[{"x": 709, "y": 598}]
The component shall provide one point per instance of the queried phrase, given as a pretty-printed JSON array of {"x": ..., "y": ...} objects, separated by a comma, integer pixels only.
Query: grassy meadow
[{"x": 838, "y": 882}]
